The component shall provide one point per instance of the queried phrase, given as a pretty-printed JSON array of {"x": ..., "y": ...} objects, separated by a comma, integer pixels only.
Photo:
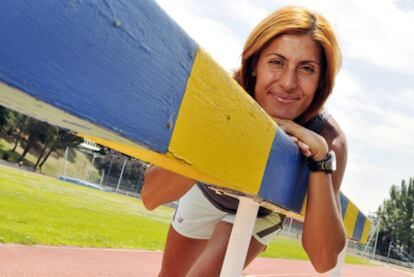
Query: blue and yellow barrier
[
  {"x": 123, "y": 74},
  {"x": 357, "y": 225}
]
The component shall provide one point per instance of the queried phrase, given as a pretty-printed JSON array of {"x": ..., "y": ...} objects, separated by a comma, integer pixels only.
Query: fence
[{"x": 112, "y": 171}]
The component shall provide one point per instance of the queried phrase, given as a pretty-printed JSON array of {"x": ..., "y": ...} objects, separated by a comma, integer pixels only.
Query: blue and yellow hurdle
[{"x": 125, "y": 75}]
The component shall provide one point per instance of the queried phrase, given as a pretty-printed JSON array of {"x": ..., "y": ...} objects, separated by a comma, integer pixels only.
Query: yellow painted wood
[
  {"x": 305, "y": 203},
  {"x": 221, "y": 130},
  {"x": 118, "y": 143},
  {"x": 365, "y": 232},
  {"x": 166, "y": 161},
  {"x": 351, "y": 215}
]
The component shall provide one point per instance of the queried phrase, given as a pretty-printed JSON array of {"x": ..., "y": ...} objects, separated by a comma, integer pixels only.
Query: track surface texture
[{"x": 19, "y": 260}]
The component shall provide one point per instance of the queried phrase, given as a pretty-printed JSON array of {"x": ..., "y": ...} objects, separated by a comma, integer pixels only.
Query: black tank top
[{"x": 229, "y": 204}]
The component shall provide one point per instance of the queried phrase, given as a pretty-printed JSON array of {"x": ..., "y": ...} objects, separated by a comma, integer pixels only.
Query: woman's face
[{"x": 287, "y": 75}]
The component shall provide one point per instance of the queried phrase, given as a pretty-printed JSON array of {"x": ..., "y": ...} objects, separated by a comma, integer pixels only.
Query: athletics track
[{"x": 48, "y": 261}]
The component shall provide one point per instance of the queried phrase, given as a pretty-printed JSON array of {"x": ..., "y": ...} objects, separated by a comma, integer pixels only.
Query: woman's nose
[{"x": 288, "y": 80}]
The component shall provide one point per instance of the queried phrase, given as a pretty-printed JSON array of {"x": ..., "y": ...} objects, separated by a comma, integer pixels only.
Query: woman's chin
[{"x": 282, "y": 116}]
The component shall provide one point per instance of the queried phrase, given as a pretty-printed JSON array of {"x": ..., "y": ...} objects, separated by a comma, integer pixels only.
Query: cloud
[
  {"x": 369, "y": 118},
  {"x": 378, "y": 32},
  {"x": 247, "y": 11},
  {"x": 213, "y": 36},
  {"x": 367, "y": 185},
  {"x": 379, "y": 132},
  {"x": 379, "y": 124}
]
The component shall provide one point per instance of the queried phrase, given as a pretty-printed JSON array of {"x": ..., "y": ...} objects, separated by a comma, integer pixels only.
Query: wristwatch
[{"x": 327, "y": 164}]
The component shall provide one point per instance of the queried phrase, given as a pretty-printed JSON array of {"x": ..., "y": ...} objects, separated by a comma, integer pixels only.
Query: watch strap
[{"x": 327, "y": 164}]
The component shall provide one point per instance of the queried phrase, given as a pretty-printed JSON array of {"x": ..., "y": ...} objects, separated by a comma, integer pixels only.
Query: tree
[
  {"x": 63, "y": 139},
  {"x": 18, "y": 125},
  {"x": 36, "y": 131},
  {"x": 4, "y": 115},
  {"x": 48, "y": 138},
  {"x": 397, "y": 214}
]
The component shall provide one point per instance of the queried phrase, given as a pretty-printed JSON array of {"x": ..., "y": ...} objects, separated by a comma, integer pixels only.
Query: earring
[{"x": 253, "y": 74}]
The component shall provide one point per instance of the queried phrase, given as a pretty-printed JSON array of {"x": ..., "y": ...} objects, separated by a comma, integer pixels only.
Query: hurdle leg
[
  {"x": 240, "y": 238},
  {"x": 337, "y": 270}
]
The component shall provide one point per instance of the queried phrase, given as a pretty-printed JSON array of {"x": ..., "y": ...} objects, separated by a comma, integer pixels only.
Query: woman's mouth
[{"x": 285, "y": 99}]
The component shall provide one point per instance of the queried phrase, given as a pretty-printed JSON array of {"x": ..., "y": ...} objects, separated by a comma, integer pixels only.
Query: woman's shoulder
[{"x": 334, "y": 135}]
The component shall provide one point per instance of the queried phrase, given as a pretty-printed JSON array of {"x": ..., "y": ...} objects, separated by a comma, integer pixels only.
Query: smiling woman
[
  {"x": 150, "y": 91},
  {"x": 288, "y": 66},
  {"x": 288, "y": 72}
]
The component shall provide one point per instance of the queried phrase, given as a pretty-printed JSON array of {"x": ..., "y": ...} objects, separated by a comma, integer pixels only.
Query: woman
[{"x": 289, "y": 63}]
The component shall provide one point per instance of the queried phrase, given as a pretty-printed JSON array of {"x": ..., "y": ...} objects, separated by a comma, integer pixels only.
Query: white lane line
[
  {"x": 79, "y": 248},
  {"x": 281, "y": 274}
]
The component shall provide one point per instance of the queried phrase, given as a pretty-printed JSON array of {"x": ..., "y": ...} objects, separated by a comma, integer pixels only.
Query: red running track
[{"x": 48, "y": 261}]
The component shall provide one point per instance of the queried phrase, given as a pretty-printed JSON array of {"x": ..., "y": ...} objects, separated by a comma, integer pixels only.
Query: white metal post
[
  {"x": 389, "y": 249},
  {"x": 290, "y": 226},
  {"x": 65, "y": 158},
  {"x": 88, "y": 174},
  {"x": 109, "y": 171},
  {"x": 373, "y": 231},
  {"x": 376, "y": 240},
  {"x": 102, "y": 177},
  {"x": 240, "y": 237},
  {"x": 337, "y": 270},
  {"x": 120, "y": 176}
]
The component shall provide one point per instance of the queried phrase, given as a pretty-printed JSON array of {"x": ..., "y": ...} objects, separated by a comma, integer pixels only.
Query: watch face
[{"x": 330, "y": 163}]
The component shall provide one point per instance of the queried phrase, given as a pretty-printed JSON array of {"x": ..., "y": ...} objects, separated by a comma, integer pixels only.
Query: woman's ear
[{"x": 254, "y": 68}]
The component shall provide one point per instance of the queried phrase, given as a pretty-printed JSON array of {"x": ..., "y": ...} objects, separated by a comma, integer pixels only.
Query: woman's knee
[{"x": 180, "y": 253}]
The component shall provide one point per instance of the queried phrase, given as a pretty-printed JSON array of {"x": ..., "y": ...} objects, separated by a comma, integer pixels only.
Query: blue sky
[{"x": 374, "y": 93}]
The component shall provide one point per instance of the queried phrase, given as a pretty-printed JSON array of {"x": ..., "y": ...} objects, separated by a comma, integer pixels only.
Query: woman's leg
[
  {"x": 210, "y": 261},
  {"x": 180, "y": 254}
]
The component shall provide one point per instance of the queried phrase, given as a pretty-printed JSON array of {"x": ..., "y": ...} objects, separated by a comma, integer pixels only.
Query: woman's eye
[
  {"x": 307, "y": 69},
  {"x": 278, "y": 63}
]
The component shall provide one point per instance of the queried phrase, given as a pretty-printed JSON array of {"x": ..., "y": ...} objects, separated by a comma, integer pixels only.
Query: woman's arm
[
  {"x": 323, "y": 235},
  {"x": 162, "y": 186}
]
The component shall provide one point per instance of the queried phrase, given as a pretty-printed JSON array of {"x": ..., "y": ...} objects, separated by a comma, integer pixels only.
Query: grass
[
  {"x": 36, "y": 209},
  {"x": 5, "y": 148},
  {"x": 287, "y": 248}
]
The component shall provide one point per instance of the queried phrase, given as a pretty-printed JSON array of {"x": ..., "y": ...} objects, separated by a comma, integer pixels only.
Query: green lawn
[
  {"x": 288, "y": 248},
  {"x": 36, "y": 209}
]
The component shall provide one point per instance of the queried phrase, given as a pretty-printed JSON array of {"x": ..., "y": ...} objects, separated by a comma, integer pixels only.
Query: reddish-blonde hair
[{"x": 293, "y": 20}]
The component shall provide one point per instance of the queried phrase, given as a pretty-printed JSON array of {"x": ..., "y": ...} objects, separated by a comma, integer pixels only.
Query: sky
[{"x": 374, "y": 91}]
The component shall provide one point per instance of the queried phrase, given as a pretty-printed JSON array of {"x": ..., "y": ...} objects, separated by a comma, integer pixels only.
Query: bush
[{"x": 6, "y": 156}]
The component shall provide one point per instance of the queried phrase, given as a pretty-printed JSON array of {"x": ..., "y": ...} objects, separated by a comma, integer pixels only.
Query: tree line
[
  {"x": 397, "y": 221},
  {"x": 34, "y": 134},
  {"x": 46, "y": 139}
]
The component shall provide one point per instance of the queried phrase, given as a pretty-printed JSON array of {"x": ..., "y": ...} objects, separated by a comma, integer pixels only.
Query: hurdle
[{"x": 126, "y": 76}]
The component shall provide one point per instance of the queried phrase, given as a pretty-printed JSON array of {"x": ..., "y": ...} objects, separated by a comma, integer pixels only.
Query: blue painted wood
[
  {"x": 344, "y": 203},
  {"x": 97, "y": 60},
  {"x": 359, "y": 226},
  {"x": 286, "y": 175}
]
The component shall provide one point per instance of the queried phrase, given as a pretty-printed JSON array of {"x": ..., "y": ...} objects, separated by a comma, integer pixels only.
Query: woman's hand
[{"x": 310, "y": 143}]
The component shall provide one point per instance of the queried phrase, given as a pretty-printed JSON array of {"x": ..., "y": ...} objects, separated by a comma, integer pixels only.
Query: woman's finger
[
  {"x": 295, "y": 139},
  {"x": 306, "y": 150},
  {"x": 303, "y": 145}
]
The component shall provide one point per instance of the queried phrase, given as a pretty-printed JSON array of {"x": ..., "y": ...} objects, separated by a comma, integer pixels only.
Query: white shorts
[{"x": 196, "y": 217}]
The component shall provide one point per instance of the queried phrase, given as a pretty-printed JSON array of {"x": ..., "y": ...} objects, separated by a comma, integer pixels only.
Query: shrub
[{"x": 6, "y": 156}]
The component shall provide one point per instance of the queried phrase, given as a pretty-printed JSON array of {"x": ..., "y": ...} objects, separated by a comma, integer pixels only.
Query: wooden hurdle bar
[{"x": 125, "y": 75}]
